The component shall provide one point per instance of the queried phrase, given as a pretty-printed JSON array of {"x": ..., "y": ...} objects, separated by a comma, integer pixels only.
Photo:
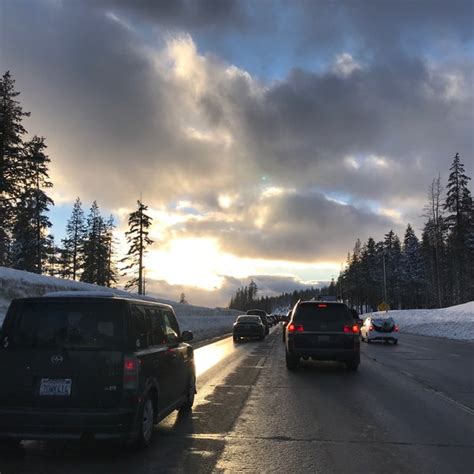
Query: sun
[{"x": 188, "y": 262}]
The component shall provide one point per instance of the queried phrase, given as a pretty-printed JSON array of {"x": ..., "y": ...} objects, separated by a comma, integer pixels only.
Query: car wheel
[
  {"x": 190, "y": 394},
  {"x": 261, "y": 338},
  {"x": 146, "y": 422},
  {"x": 236, "y": 339},
  {"x": 395, "y": 341},
  {"x": 367, "y": 340},
  {"x": 291, "y": 361},
  {"x": 352, "y": 365}
]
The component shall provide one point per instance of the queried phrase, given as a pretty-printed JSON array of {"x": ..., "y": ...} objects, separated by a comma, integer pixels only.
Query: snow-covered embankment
[
  {"x": 203, "y": 322},
  {"x": 455, "y": 322}
]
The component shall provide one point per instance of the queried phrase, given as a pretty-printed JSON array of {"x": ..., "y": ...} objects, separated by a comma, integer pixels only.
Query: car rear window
[
  {"x": 322, "y": 311},
  {"x": 68, "y": 325},
  {"x": 248, "y": 319}
]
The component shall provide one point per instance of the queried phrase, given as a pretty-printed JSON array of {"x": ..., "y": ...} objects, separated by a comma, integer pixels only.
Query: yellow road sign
[{"x": 383, "y": 306}]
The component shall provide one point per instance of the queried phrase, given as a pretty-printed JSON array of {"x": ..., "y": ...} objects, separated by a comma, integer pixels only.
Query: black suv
[
  {"x": 322, "y": 331},
  {"x": 263, "y": 317},
  {"x": 88, "y": 367}
]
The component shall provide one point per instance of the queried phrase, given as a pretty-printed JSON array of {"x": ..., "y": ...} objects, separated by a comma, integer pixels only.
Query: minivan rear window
[
  {"x": 78, "y": 325},
  {"x": 322, "y": 311}
]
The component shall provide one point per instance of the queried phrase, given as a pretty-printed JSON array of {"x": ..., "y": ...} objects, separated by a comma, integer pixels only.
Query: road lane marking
[{"x": 428, "y": 388}]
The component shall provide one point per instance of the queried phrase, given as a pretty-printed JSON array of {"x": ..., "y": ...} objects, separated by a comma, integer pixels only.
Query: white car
[{"x": 379, "y": 329}]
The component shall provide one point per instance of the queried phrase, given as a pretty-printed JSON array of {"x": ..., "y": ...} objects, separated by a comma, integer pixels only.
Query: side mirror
[{"x": 187, "y": 336}]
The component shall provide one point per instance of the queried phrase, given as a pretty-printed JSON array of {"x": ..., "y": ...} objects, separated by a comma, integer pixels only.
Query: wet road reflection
[{"x": 208, "y": 356}]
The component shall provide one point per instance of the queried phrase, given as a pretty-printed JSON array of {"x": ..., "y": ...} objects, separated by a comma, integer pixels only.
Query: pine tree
[
  {"x": 110, "y": 271},
  {"x": 182, "y": 299},
  {"x": 252, "y": 291},
  {"x": 30, "y": 231},
  {"x": 433, "y": 243},
  {"x": 412, "y": 270},
  {"x": 137, "y": 237},
  {"x": 72, "y": 254},
  {"x": 459, "y": 203},
  {"x": 11, "y": 157},
  {"x": 92, "y": 248}
]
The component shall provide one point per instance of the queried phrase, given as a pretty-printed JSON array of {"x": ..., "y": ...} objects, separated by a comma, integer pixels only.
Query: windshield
[{"x": 69, "y": 325}]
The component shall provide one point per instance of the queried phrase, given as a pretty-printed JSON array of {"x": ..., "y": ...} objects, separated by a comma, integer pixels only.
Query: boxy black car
[
  {"x": 322, "y": 331},
  {"x": 263, "y": 317},
  {"x": 91, "y": 368}
]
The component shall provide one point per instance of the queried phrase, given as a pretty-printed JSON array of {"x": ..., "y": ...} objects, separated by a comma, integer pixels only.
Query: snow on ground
[
  {"x": 455, "y": 322},
  {"x": 203, "y": 322}
]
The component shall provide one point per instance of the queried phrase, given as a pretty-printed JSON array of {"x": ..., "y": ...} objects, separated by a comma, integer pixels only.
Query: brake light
[
  {"x": 131, "y": 367},
  {"x": 396, "y": 328},
  {"x": 351, "y": 329},
  {"x": 295, "y": 328},
  {"x": 322, "y": 305},
  {"x": 371, "y": 328}
]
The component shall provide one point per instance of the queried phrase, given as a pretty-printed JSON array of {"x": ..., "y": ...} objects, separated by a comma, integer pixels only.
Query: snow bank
[
  {"x": 455, "y": 322},
  {"x": 203, "y": 322}
]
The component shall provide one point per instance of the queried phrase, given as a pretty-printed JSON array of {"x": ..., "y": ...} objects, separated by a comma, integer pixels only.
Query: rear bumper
[
  {"x": 22, "y": 423},
  {"x": 342, "y": 355},
  {"x": 249, "y": 332},
  {"x": 376, "y": 335}
]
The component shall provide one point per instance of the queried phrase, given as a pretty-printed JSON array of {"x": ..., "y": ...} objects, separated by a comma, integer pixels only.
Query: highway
[{"x": 409, "y": 409}]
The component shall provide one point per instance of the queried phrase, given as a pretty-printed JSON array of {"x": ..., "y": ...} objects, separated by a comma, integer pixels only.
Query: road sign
[{"x": 383, "y": 306}]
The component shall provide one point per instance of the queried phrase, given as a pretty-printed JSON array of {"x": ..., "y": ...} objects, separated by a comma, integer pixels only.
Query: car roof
[{"x": 90, "y": 295}]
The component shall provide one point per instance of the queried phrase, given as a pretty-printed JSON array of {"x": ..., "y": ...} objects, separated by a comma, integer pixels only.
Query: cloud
[
  {"x": 292, "y": 226},
  {"x": 292, "y": 169},
  {"x": 268, "y": 285}
]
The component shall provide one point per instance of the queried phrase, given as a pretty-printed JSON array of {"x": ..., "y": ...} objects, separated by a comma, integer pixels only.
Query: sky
[{"x": 265, "y": 136}]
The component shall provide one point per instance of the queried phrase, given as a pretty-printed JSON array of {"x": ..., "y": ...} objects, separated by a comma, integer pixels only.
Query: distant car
[
  {"x": 248, "y": 327},
  {"x": 89, "y": 367},
  {"x": 322, "y": 331},
  {"x": 263, "y": 316},
  {"x": 379, "y": 329}
]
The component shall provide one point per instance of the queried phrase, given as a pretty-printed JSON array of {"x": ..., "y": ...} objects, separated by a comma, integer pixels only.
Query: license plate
[
  {"x": 55, "y": 387},
  {"x": 323, "y": 338}
]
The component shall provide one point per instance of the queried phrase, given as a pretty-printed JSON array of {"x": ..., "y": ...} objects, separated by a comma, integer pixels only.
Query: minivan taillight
[
  {"x": 396, "y": 329},
  {"x": 351, "y": 329},
  {"x": 131, "y": 366},
  {"x": 295, "y": 328}
]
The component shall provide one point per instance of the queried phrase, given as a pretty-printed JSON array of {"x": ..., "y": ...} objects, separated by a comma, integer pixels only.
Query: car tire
[
  {"x": 236, "y": 339},
  {"x": 261, "y": 338},
  {"x": 352, "y": 365},
  {"x": 367, "y": 340},
  {"x": 190, "y": 395},
  {"x": 291, "y": 361},
  {"x": 146, "y": 423},
  {"x": 395, "y": 341}
]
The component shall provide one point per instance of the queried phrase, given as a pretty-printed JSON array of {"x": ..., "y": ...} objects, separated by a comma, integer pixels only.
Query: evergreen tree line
[
  {"x": 87, "y": 253},
  {"x": 434, "y": 272},
  {"x": 245, "y": 297}
]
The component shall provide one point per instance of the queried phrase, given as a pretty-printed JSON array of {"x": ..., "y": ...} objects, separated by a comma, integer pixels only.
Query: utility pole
[{"x": 384, "y": 279}]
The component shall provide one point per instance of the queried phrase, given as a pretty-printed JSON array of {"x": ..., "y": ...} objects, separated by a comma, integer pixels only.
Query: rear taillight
[
  {"x": 131, "y": 366},
  {"x": 295, "y": 328},
  {"x": 351, "y": 329},
  {"x": 371, "y": 328},
  {"x": 396, "y": 329}
]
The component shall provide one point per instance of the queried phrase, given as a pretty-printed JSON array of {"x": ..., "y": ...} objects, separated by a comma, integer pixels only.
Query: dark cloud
[
  {"x": 182, "y": 13},
  {"x": 126, "y": 111},
  {"x": 305, "y": 227}
]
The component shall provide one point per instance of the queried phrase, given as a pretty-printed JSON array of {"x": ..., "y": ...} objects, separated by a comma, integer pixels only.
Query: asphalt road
[{"x": 409, "y": 409}]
